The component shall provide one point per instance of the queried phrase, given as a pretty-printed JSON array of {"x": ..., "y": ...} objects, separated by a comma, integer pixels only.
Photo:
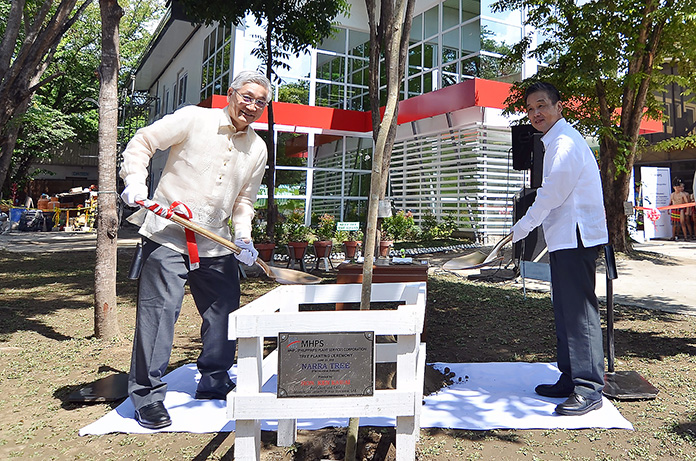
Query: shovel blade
[
  {"x": 465, "y": 262},
  {"x": 292, "y": 277}
]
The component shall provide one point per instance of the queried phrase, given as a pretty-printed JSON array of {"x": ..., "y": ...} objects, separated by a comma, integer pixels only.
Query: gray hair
[{"x": 251, "y": 76}]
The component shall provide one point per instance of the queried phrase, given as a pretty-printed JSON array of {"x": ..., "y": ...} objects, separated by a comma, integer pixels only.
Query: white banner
[{"x": 656, "y": 188}]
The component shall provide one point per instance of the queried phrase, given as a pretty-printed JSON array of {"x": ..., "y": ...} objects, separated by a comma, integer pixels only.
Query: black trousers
[
  {"x": 579, "y": 347},
  {"x": 215, "y": 289}
]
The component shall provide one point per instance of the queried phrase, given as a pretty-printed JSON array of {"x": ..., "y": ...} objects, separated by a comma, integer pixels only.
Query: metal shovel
[
  {"x": 478, "y": 259},
  {"x": 280, "y": 275}
]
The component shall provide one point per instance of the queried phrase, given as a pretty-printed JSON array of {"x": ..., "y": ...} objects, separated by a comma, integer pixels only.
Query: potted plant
[
  {"x": 324, "y": 233},
  {"x": 351, "y": 243},
  {"x": 262, "y": 242},
  {"x": 386, "y": 241},
  {"x": 297, "y": 234}
]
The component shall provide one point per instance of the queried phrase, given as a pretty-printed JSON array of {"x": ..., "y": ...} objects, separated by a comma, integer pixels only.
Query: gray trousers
[
  {"x": 215, "y": 289},
  {"x": 580, "y": 349}
]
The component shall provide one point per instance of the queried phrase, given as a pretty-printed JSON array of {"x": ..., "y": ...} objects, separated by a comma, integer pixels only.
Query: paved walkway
[
  {"x": 663, "y": 276},
  {"x": 51, "y": 242}
]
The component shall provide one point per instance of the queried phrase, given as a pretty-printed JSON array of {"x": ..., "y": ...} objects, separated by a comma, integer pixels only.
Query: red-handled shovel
[{"x": 280, "y": 275}]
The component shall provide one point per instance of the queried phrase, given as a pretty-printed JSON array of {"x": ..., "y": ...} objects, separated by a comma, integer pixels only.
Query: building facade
[{"x": 453, "y": 149}]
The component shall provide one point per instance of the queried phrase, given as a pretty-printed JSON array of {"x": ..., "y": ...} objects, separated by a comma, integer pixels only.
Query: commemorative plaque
[{"x": 326, "y": 364}]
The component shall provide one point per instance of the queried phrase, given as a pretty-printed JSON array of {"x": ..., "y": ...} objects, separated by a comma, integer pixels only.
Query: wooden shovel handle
[{"x": 222, "y": 241}]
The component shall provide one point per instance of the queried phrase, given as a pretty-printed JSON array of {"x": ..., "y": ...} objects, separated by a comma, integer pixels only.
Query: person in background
[
  {"x": 679, "y": 216},
  {"x": 570, "y": 207},
  {"x": 215, "y": 166}
]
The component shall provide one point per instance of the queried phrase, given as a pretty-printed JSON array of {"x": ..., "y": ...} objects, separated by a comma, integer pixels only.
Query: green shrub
[
  {"x": 432, "y": 229},
  {"x": 400, "y": 226}
]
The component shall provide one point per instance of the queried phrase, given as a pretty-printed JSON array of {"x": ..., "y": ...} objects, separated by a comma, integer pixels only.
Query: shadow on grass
[
  {"x": 686, "y": 430},
  {"x": 34, "y": 285},
  {"x": 475, "y": 322}
]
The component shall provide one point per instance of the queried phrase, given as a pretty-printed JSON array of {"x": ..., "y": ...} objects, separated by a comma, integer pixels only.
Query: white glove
[
  {"x": 133, "y": 192},
  {"x": 248, "y": 254},
  {"x": 519, "y": 231}
]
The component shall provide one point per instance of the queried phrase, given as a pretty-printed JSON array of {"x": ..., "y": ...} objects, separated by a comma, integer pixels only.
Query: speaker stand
[{"x": 620, "y": 385}]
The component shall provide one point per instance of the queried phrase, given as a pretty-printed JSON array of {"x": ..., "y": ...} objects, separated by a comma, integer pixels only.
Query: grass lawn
[{"x": 47, "y": 350}]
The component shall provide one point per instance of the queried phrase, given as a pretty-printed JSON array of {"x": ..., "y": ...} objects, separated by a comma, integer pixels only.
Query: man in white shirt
[
  {"x": 570, "y": 207},
  {"x": 215, "y": 166}
]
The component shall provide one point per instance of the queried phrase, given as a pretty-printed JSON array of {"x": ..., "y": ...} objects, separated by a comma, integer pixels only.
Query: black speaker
[
  {"x": 534, "y": 243},
  {"x": 522, "y": 146}
]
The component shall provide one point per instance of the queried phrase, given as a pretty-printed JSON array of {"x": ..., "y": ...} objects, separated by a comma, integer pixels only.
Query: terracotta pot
[
  {"x": 265, "y": 250},
  {"x": 350, "y": 247},
  {"x": 321, "y": 248},
  {"x": 299, "y": 248},
  {"x": 384, "y": 246}
]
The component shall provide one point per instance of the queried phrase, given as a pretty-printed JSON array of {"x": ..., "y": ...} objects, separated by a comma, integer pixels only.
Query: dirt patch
[{"x": 47, "y": 351}]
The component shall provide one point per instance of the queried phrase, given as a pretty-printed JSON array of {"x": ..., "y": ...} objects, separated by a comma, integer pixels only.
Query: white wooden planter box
[{"x": 278, "y": 311}]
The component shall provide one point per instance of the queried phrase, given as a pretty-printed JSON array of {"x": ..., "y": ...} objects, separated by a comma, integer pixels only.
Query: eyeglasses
[{"x": 248, "y": 100}]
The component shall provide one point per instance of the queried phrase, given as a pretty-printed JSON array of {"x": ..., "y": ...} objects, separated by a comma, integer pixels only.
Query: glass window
[
  {"x": 450, "y": 14},
  {"x": 320, "y": 206},
  {"x": 329, "y": 95},
  {"x": 220, "y": 35},
  {"x": 295, "y": 91},
  {"x": 292, "y": 149},
  {"x": 328, "y": 151},
  {"x": 494, "y": 68},
  {"x": 356, "y": 210},
  {"x": 471, "y": 37},
  {"x": 428, "y": 82},
  {"x": 430, "y": 55},
  {"x": 414, "y": 86},
  {"x": 450, "y": 46},
  {"x": 449, "y": 75},
  {"x": 358, "y": 153},
  {"x": 206, "y": 53},
  {"x": 211, "y": 43},
  {"x": 432, "y": 25},
  {"x": 357, "y": 184},
  {"x": 415, "y": 63},
  {"x": 286, "y": 204},
  {"x": 470, "y": 9},
  {"x": 336, "y": 43},
  {"x": 513, "y": 17},
  {"x": 358, "y": 98},
  {"x": 417, "y": 28},
  {"x": 470, "y": 67},
  {"x": 359, "y": 44},
  {"x": 216, "y": 63},
  {"x": 358, "y": 71},
  {"x": 499, "y": 38}
]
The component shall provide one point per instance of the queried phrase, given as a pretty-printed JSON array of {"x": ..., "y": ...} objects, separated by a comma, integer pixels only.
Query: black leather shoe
[
  {"x": 577, "y": 405},
  {"x": 153, "y": 416},
  {"x": 214, "y": 395},
  {"x": 553, "y": 390}
]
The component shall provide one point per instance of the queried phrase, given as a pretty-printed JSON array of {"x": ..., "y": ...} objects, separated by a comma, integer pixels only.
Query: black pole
[{"x": 610, "y": 261}]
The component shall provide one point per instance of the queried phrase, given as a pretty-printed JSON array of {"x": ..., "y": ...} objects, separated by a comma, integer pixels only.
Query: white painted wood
[
  {"x": 406, "y": 431},
  {"x": 405, "y": 321},
  {"x": 385, "y": 352},
  {"x": 267, "y": 406},
  {"x": 247, "y": 440},
  {"x": 278, "y": 311},
  {"x": 287, "y": 432}
]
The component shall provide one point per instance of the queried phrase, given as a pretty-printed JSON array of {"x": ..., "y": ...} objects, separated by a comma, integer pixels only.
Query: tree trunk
[
  {"x": 24, "y": 59},
  {"x": 616, "y": 187},
  {"x": 271, "y": 208},
  {"x": 105, "y": 313},
  {"x": 392, "y": 32}
]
